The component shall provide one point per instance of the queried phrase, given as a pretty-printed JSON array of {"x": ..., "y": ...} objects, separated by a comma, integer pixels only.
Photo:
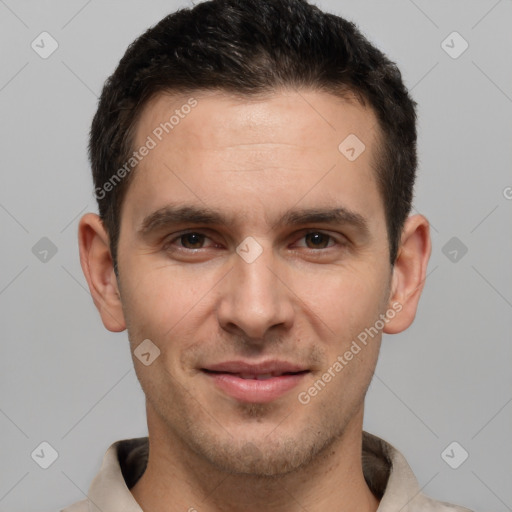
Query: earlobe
[
  {"x": 98, "y": 269},
  {"x": 409, "y": 273}
]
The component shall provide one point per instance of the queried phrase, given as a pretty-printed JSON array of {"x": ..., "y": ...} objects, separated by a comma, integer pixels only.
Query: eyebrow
[{"x": 171, "y": 215}]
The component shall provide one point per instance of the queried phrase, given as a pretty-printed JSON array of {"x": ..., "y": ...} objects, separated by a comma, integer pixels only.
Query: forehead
[
  {"x": 215, "y": 147},
  {"x": 313, "y": 120}
]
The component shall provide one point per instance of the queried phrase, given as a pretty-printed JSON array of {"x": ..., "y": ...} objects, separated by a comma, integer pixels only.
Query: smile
[{"x": 259, "y": 383}]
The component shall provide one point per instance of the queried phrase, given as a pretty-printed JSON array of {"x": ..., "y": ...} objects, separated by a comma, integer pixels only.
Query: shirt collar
[{"x": 385, "y": 470}]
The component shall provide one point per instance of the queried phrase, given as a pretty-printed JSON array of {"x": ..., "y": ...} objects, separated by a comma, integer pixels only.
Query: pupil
[
  {"x": 192, "y": 239},
  {"x": 316, "y": 238}
]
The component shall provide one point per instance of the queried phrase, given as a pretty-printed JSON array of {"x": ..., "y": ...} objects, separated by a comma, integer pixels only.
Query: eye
[
  {"x": 318, "y": 240},
  {"x": 192, "y": 239},
  {"x": 187, "y": 241}
]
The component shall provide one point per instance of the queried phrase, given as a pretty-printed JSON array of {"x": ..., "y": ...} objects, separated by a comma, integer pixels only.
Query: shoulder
[
  {"x": 391, "y": 478},
  {"x": 79, "y": 506},
  {"x": 425, "y": 504}
]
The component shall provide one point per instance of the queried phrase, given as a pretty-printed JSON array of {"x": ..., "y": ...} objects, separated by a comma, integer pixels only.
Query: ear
[
  {"x": 98, "y": 269},
  {"x": 409, "y": 273}
]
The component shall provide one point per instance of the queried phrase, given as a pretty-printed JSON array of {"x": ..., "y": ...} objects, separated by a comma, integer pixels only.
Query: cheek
[
  {"x": 346, "y": 299},
  {"x": 169, "y": 306},
  {"x": 160, "y": 295}
]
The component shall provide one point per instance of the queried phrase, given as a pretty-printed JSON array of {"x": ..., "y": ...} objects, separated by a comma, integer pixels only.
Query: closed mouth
[{"x": 255, "y": 376}]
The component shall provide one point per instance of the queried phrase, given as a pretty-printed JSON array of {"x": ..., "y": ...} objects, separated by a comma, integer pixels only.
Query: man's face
[{"x": 255, "y": 294}]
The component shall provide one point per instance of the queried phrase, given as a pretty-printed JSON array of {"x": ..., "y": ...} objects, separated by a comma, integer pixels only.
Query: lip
[
  {"x": 226, "y": 377},
  {"x": 271, "y": 366}
]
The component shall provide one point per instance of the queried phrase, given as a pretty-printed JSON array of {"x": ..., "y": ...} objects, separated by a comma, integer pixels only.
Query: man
[{"x": 254, "y": 164}]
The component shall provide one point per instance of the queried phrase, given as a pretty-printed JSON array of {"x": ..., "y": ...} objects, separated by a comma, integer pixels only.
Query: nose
[{"x": 255, "y": 298}]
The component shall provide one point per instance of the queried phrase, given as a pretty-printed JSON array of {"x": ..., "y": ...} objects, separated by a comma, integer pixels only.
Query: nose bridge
[{"x": 253, "y": 298}]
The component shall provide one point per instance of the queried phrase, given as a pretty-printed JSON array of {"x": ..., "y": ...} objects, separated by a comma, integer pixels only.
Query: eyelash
[{"x": 194, "y": 251}]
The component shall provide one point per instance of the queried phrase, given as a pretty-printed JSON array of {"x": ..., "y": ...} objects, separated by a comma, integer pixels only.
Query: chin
[{"x": 268, "y": 456}]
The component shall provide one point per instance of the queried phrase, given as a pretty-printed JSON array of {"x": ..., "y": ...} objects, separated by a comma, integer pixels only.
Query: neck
[{"x": 176, "y": 475}]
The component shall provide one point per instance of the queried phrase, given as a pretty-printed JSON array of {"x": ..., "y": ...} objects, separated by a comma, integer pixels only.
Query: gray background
[{"x": 68, "y": 381}]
